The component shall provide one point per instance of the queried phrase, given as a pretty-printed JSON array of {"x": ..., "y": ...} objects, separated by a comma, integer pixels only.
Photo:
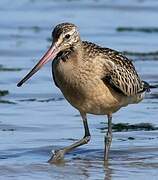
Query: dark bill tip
[{"x": 19, "y": 84}]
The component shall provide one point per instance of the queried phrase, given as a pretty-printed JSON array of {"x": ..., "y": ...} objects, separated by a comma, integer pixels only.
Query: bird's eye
[{"x": 67, "y": 36}]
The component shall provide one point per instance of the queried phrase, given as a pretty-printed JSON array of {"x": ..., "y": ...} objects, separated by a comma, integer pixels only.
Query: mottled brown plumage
[
  {"x": 93, "y": 79},
  {"x": 123, "y": 74}
]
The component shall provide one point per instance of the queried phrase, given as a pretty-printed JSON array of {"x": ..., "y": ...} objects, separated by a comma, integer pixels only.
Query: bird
[{"x": 93, "y": 79}]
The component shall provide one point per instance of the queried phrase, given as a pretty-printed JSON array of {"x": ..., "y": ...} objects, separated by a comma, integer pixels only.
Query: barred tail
[{"x": 146, "y": 86}]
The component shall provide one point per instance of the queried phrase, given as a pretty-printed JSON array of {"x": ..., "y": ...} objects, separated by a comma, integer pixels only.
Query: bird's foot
[{"x": 57, "y": 156}]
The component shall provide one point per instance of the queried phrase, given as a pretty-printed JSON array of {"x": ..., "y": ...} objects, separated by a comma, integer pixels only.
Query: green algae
[
  {"x": 41, "y": 100},
  {"x": 119, "y": 127},
  {"x": 9, "y": 129},
  {"x": 2, "y": 101},
  {"x": 4, "y": 92},
  {"x": 135, "y": 127},
  {"x": 35, "y": 29},
  {"x": 138, "y": 29},
  {"x": 2, "y": 68},
  {"x": 140, "y": 53}
]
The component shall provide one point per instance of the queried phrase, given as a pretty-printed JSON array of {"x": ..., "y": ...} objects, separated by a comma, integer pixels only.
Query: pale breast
[{"x": 85, "y": 90}]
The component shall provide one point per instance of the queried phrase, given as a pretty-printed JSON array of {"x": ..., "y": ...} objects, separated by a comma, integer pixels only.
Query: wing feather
[
  {"x": 126, "y": 81},
  {"x": 122, "y": 74}
]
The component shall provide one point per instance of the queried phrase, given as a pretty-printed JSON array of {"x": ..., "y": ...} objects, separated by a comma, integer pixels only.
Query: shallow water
[{"x": 36, "y": 118}]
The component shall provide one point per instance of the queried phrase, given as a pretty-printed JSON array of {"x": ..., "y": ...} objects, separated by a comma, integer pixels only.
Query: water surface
[{"x": 36, "y": 118}]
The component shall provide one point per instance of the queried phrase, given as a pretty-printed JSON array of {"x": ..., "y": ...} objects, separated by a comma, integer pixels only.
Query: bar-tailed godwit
[{"x": 93, "y": 79}]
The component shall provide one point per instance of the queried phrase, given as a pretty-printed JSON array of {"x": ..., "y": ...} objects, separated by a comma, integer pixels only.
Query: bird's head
[{"x": 65, "y": 36}]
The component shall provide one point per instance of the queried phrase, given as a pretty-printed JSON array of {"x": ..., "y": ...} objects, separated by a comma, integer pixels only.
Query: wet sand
[{"x": 36, "y": 118}]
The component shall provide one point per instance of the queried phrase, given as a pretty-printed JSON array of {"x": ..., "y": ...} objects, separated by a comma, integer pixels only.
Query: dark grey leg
[
  {"x": 108, "y": 138},
  {"x": 59, "y": 154}
]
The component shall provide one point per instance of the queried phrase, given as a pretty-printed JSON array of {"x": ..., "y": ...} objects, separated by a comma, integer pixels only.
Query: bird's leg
[
  {"x": 59, "y": 154},
  {"x": 108, "y": 138}
]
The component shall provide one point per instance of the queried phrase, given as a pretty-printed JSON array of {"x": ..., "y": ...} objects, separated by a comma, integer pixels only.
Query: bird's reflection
[
  {"x": 85, "y": 166},
  {"x": 108, "y": 171}
]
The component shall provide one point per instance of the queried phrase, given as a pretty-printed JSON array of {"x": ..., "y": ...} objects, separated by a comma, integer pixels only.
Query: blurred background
[{"x": 36, "y": 118}]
